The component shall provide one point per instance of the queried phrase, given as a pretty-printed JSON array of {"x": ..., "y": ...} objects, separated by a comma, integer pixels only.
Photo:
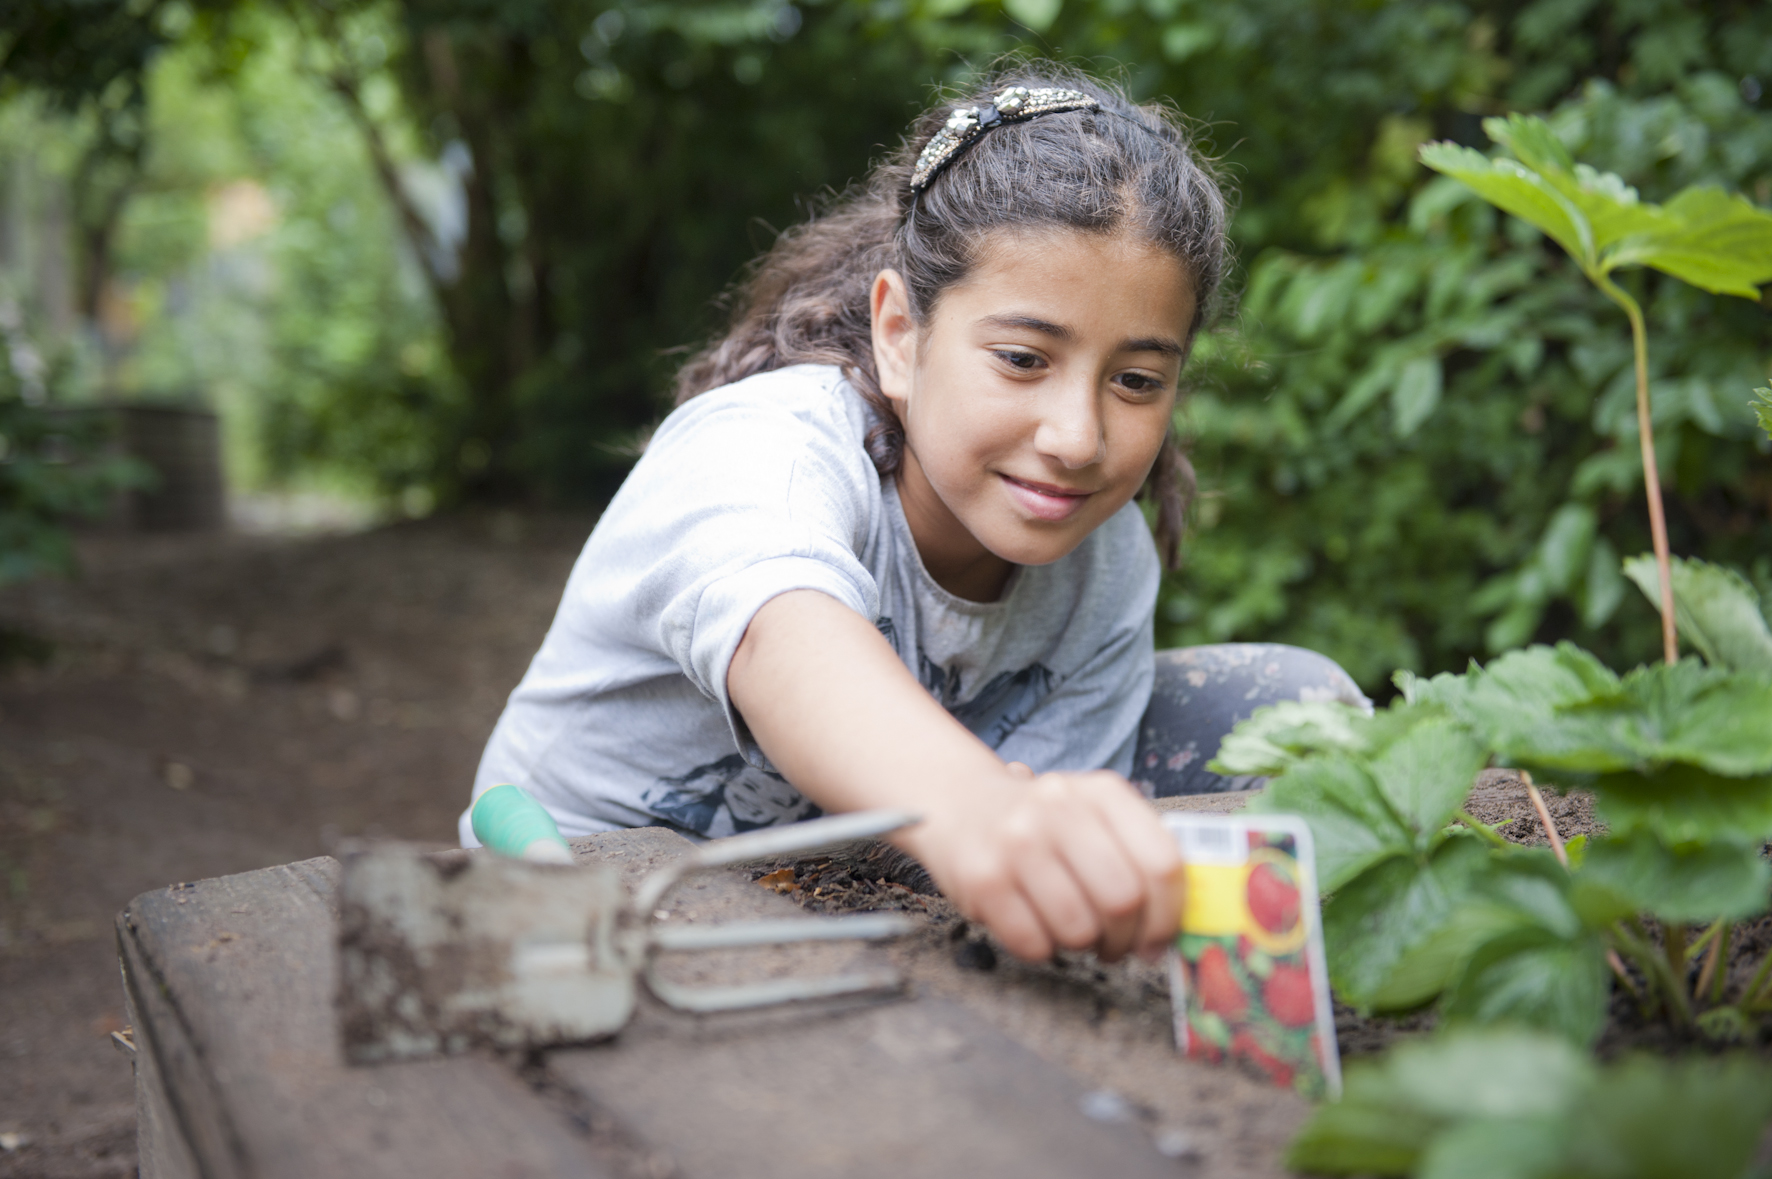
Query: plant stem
[
  {"x": 1716, "y": 967},
  {"x": 1550, "y": 828},
  {"x": 1670, "y": 643},
  {"x": 1757, "y": 981},
  {"x": 1659, "y": 970},
  {"x": 1483, "y": 830},
  {"x": 1673, "y": 936}
]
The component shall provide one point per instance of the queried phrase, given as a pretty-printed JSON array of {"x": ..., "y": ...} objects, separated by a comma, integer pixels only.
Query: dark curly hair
[{"x": 1124, "y": 167}]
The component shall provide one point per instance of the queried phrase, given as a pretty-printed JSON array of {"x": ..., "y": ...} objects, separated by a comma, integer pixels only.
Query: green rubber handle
[{"x": 513, "y": 824}]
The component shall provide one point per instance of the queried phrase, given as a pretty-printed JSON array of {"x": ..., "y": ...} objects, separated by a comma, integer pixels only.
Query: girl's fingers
[
  {"x": 1111, "y": 881},
  {"x": 1009, "y": 916},
  {"x": 1057, "y": 899},
  {"x": 1150, "y": 851}
]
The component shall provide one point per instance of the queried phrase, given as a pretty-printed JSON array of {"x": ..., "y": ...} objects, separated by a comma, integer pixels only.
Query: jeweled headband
[{"x": 1014, "y": 104}]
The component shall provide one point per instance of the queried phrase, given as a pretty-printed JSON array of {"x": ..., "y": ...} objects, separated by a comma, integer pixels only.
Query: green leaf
[
  {"x": 1532, "y": 141},
  {"x": 1416, "y": 395},
  {"x": 1714, "y": 240},
  {"x": 1716, "y": 609},
  {"x": 1277, "y": 736},
  {"x": 1426, "y": 774},
  {"x": 1037, "y": 15},
  {"x": 1532, "y": 976},
  {"x": 1563, "y": 551},
  {"x": 1516, "y": 189},
  {"x": 1721, "y": 879},
  {"x": 1506, "y": 1102},
  {"x": 1685, "y": 805},
  {"x": 1497, "y": 1073},
  {"x": 1561, "y": 710},
  {"x": 1494, "y": 1148},
  {"x": 1520, "y": 706},
  {"x": 1393, "y": 1109},
  {"x": 1763, "y": 409},
  {"x": 1372, "y": 924},
  {"x": 1424, "y": 971},
  {"x": 1361, "y": 1137},
  {"x": 1651, "y": 1118}
]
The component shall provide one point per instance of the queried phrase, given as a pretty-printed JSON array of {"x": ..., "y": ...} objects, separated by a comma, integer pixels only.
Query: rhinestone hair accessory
[{"x": 1013, "y": 104}]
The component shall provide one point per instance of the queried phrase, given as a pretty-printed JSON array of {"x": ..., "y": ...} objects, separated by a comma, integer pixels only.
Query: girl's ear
[{"x": 895, "y": 336}]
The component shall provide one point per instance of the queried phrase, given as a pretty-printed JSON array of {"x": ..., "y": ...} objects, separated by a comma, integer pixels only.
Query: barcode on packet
[{"x": 1214, "y": 843}]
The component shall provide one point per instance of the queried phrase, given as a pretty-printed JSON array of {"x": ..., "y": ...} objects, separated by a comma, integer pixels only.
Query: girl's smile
[
  {"x": 1044, "y": 500},
  {"x": 1034, "y": 397}
]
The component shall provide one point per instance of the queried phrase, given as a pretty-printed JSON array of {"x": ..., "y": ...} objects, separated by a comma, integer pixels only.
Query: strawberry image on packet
[{"x": 1247, "y": 971}]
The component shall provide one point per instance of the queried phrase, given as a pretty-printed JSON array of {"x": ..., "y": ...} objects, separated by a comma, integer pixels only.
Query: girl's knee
[{"x": 1201, "y": 693}]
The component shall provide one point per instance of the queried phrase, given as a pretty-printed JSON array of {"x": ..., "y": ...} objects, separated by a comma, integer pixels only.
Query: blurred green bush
[{"x": 1413, "y": 432}]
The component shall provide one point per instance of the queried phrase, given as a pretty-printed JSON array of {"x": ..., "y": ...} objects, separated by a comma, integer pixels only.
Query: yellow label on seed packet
[{"x": 1215, "y": 899}]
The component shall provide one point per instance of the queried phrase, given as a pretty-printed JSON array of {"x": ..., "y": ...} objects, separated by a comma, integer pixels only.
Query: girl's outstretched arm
[{"x": 1072, "y": 860}]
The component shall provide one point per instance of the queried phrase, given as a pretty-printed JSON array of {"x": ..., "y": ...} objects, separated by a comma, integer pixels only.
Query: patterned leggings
[{"x": 1202, "y": 692}]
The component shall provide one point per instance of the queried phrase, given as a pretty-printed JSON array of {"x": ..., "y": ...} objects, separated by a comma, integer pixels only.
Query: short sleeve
[{"x": 736, "y": 501}]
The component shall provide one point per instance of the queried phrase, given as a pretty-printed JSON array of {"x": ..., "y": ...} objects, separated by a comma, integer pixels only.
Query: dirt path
[{"x": 212, "y": 705}]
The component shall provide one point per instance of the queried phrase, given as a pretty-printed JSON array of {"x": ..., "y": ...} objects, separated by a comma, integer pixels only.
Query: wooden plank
[
  {"x": 912, "y": 1087},
  {"x": 233, "y": 983}
]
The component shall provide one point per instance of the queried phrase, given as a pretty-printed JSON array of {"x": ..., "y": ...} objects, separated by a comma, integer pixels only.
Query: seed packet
[{"x": 1247, "y": 971}]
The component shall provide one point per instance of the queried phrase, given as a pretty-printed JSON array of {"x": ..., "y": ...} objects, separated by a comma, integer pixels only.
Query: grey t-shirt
[{"x": 753, "y": 490}]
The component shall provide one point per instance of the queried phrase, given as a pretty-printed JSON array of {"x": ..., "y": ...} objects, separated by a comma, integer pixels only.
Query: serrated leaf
[
  {"x": 1709, "y": 238},
  {"x": 1684, "y": 805},
  {"x": 1533, "y": 977},
  {"x": 1763, "y": 409},
  {"x": 1716, "y": 609},
  {"x": 1514, "y": 188},
  {"x": 1424, "y": 971},
  {"x": 1561, "y": 710},
  {"x": 1377, "y": 919},
  {"x": 1352, "y": 827},
  {"x": 1426, "y": 774},
  {"x": 1519, "y": 706},
  {"x": 1277, "y": 736},
  {"x": 1531, "y": 140},
  {"x": 1704, "y": 716},
  {"x": 1722, "y": 879}
]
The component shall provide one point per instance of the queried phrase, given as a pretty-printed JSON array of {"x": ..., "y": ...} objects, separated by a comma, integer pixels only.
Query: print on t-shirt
[{"x": 727, "y": 797}]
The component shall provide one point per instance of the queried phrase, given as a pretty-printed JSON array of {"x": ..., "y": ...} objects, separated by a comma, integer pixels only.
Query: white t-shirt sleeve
[{"x": 734, "y": 503}]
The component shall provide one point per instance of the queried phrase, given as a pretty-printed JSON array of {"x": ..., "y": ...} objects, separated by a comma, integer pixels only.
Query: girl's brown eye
[{"x": 1024, "y": 361}]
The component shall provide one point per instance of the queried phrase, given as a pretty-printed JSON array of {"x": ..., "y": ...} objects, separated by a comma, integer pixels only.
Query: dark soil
[{"x": 195, "y": 706}]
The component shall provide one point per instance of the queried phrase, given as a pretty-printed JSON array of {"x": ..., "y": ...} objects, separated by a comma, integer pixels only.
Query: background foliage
[{"x": 495, "y": 220}]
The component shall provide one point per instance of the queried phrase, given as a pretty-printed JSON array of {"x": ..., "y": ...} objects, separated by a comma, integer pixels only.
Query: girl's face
[{"x": 1034, "y": 399}]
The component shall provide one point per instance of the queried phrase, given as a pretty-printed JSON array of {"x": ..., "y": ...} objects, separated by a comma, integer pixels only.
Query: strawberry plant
[
  {"x": 1427, "y": 905},
  {"x": 1704, "y": 236}
]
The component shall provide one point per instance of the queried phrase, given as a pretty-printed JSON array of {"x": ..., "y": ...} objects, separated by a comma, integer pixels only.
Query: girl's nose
[{"x": 1070, "y": 428}]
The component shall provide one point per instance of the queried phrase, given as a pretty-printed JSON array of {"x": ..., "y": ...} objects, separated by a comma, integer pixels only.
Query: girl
[{"x": 884, "y": 553}]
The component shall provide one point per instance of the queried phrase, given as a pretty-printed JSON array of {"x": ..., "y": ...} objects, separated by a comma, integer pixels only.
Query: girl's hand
[{"x": 1072, "y": 861}]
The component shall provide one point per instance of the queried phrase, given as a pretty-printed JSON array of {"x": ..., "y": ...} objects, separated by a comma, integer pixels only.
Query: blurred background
[{"x": 326, "y": 326}]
